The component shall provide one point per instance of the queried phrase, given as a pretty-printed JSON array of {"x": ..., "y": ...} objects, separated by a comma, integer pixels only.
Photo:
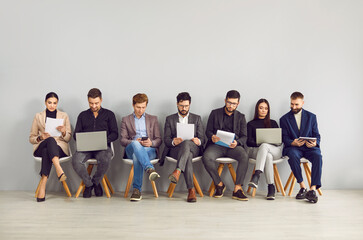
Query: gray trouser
[
  {"x": 103, "y": 158},
  {"x": 184, "y": 153},
  {"x": 264, "y": 155},
  {"x": 214, "y": 151}
]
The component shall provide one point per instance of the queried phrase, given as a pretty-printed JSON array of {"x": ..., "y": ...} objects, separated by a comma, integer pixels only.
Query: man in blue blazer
[{"x": 296, "y": 124}]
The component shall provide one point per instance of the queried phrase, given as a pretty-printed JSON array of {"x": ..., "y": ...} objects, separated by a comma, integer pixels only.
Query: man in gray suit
[
  {"x": 183, "y": 150},
  {"x": 140, "y": 135},
  {"x": 228, "y": 119}
]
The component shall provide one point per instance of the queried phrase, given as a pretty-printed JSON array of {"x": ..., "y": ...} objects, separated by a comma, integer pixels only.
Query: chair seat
[
  {"x": 225, "y": 160},
  {"x": 131, "y": 162},
  {"x": 61, "y": 160},
  {"x": 283, "y": 158},
  {"x": 173, "y": 160}
]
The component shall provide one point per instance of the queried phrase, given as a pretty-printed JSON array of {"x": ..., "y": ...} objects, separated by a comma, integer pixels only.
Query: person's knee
[
  {"x": 135, "y": 144},
  {"x": 263, "y": 147}
]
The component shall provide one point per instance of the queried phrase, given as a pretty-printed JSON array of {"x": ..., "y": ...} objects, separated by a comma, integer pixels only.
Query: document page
[
  {"x": 185, "y": 131},
  {"x": 226, "y": 138},
  {"x": 51, "y": 126}
]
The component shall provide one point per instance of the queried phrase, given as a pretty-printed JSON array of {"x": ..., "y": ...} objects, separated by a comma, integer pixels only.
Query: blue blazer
[{"x": 308, "y": 128}]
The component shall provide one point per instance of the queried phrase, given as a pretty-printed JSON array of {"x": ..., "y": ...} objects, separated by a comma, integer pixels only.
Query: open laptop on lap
[
  {"x": 91, "y": 141},
  {"x": 269, "y": 135}
]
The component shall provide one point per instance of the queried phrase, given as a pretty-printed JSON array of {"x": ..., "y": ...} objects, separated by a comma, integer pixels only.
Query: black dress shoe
[
  {"x": 98, "y": 190},
  {"x": 311, "y": 196},
  {"x": 254, "y": 180},
  {"x": 271, "y": 192},
  {"x": 301, "y": 193},
  {"x": 219, "y": 191},
  {"x": 87, "y": 192}
]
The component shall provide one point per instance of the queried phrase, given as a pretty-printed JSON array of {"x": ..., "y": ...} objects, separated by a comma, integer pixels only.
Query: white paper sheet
[
  {"x": 226, "y": 137},
  {"x": 51, "y": 126},
  {"x": 185, "y": 131}
]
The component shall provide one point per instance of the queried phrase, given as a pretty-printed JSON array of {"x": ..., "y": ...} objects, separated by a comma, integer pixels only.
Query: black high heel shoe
[
  {"x": 62, "y": 177},
  {"x": 41, "y": 199}
]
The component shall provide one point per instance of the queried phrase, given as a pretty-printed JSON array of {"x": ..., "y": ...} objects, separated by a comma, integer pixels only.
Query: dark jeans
[
  {"x": 313, "y": 155},
  {"x": 47, "y": 150},
  {"x": 184, "y": 153},
  {"x": 103, "y": 158},
  {"x": 214, "y": 151}
]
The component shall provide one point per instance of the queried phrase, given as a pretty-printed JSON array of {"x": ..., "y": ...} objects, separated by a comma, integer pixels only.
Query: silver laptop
[
  {"x": 91, "y": 141},
  {"x": 268, "y": 135}
]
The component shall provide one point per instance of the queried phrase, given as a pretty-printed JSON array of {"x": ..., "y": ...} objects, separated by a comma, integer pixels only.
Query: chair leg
[
  {"x": 154, "y": 189},
  {"x": 129, "y": 181},
  {"x": 105, "y": 187},
  {"x": 109, "y": 184},
  {"x": 65, "y": 186},
  {"x": 278, "y": 180},
  {"x": 168, "y": 191},
  {"x": 212, "y": 187},
  {"x": 37, "y": 190},
  {"x": 276, "y": 185},
  {"x": 288, "y": 181},
  {"x": 292, "y": 185},
  {"x": 79, "y": 190},
  {"x": 233, "y": 173},
  {"x": 197, "y": 187},
  {"x": 253, "y": 172},
  {"x": 171, "y": 189}
]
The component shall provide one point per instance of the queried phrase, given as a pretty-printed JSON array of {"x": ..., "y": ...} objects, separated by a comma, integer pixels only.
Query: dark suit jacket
[
  {"x": 308, "y": 128},
  {"x": 215, "y": 122},
  {"x": 170, "y": 132},
  {"x": 128, "y": 130}
]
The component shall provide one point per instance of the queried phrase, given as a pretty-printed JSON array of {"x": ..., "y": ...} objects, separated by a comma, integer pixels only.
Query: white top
[{"x": 298, "y": 119}]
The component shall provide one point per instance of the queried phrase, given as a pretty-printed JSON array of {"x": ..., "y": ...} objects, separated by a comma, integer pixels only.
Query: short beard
[
  {"x": 296, "y": 111},
  {"x": 183, "y": 113},
  {"x": 225, "y": 107}
]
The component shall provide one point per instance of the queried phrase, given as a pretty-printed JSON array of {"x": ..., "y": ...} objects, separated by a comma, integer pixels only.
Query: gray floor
[{"x": 337, "y": 215}]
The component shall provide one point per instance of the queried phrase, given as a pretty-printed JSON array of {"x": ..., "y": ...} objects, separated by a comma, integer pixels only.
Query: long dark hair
[{"x": 267, "y": 118}]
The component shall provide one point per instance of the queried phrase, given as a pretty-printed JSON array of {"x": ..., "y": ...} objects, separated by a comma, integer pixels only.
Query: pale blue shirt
[{"x": 140, "y": 127}]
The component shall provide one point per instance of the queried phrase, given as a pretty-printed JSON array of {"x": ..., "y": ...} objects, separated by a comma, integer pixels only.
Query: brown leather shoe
[
  {"x": 191, "y": 195},
  {"x": 174, "y": 177}
]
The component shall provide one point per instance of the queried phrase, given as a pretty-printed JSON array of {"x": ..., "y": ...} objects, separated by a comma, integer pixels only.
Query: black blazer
[
  {"x": 170, "y": 132},
  {"x": 215, "y": 122}
]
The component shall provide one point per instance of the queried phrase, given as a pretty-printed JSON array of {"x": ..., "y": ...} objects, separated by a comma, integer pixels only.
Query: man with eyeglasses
[
  {"x": 183, "y": 150},
  {"x": 230, "y": 120}
]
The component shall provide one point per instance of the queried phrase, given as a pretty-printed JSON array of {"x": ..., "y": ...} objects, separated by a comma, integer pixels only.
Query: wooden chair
[
  {"x": 292, "y": 178},
  {"x": 222, "y": 162},
  {"x": 278, "y": 183},
  {"x": 195, "y": 182},
  {"x": 131, "y": 176},
  {"x": 61, "y": 160},
  {"x": 105, "y": 182}
]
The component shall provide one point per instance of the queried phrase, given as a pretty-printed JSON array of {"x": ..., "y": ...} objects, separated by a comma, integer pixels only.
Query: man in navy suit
[{"x": 296, "y": 124}]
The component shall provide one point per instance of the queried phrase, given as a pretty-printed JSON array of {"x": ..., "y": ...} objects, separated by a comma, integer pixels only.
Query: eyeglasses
[
  {"x": 183, "y": 106},
  {"x": 232, "y": 104}
]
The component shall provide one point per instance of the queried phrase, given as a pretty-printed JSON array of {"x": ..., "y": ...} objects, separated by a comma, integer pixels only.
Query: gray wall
[{"x": 261, "y": 48}]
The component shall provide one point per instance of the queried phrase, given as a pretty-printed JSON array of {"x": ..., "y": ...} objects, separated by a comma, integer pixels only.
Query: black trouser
[{"x": 47, "y": 150}]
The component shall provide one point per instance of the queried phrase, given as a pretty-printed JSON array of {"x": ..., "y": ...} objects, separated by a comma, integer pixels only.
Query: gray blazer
[
  {"x": 128, "y": 130},
  {"x": 170, "y": 132}
]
